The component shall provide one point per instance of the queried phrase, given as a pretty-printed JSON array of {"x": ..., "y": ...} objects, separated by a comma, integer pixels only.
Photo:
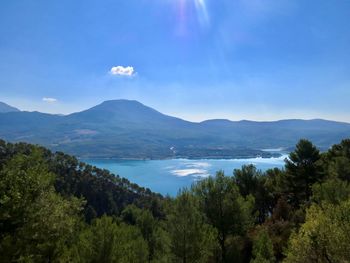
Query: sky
[{"x": 194, "y": 59}]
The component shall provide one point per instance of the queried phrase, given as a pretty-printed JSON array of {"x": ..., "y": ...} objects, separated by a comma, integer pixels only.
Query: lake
[{"x": 168, "y": 176}]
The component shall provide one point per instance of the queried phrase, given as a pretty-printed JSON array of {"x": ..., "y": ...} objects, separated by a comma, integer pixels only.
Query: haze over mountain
[
  {"x": 129, "y": 129},
  {"x": 7, "y": 108}
]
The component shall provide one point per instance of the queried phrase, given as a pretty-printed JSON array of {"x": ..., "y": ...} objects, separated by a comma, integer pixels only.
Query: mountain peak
[
  {"x": 119, "y": 111},
  {"x": 122, "y": 105},
  {"x": 120, "y": 101},
  {"x": 7, "y": 108}
]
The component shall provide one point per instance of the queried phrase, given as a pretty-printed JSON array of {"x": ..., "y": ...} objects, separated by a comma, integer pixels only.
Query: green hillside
[{"x": 54, "y": 208}]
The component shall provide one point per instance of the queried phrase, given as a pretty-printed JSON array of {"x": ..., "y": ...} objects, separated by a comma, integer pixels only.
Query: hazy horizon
[{"x": 181, "y": 117}]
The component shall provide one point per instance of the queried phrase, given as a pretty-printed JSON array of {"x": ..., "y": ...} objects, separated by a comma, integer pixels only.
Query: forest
[{"x": 55, "y": 208}]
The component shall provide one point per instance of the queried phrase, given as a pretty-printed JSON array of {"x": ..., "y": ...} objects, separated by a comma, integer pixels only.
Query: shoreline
[{"x": 275, "y": 156}]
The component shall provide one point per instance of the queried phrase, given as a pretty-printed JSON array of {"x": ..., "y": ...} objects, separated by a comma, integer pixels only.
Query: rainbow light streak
[{"x": 183, "y": 7}]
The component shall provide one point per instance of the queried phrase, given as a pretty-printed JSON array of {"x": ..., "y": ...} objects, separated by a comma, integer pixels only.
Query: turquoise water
[{"x": 168, "y": 176}]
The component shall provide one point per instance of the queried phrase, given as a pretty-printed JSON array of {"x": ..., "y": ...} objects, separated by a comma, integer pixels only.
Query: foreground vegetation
[{"x": 54, "y": 208}]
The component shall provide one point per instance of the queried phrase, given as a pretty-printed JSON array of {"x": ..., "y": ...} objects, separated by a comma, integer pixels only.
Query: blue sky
[{"x": 195, "y": 59}]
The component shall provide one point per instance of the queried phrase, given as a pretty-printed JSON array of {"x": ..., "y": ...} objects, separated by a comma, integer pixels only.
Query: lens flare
[
  {"x": 202, "y": 12},
  {"x": 185, "y": 8}
]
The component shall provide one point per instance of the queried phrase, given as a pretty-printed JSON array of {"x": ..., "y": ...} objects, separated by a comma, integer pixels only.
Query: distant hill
[
  {"x": 7, "y": 108},
  {"x": 129, "y": 129}
]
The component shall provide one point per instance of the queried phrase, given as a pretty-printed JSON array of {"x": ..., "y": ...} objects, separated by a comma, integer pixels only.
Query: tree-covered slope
[
  {"x": 54, "y": 208},
  {"x": 104, "y": 192}
]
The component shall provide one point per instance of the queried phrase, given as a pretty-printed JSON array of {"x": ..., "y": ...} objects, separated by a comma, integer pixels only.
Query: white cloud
[
  {"x": 50, "y": 100},
  {"x": 122, "y": 71}
]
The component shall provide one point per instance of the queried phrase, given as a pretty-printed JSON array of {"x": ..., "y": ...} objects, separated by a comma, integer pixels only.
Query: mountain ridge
[
  {"x": 4, "y": 108},
  {"x": 197, "y": 122},
  {"x": 130, "y": 129}
]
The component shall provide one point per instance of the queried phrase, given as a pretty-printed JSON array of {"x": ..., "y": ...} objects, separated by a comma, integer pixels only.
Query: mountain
[
  {"x": 129, "y": 129},
  {"x": 7, "y": 108}
]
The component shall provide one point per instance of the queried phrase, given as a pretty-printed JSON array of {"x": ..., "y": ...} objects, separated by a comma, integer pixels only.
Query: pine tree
[
  {"x": 324, "y": 237},
  {"x": 191, "y": 239},
  {"x": 36, "y": 222},
  {"x": 302, "y": 171},
  {"x": 224, "y": 208},
  {"x": 263, "y": 248},
  {"x": 108, "y": 241}
]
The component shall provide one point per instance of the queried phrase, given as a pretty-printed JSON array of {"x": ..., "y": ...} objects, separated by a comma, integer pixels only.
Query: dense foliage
[{"x": 54, "y": 208}]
